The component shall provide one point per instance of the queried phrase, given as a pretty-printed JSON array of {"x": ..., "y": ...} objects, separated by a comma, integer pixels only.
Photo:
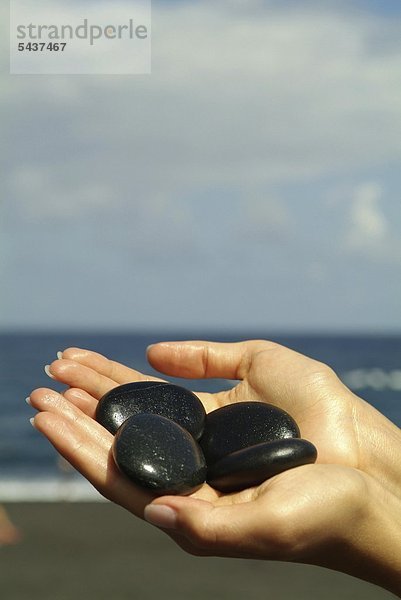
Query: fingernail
[
  {"x": 47, "y": 371},
  {"x": 28, "y": 401},
  {"x": 59, "y": 355},
  {"x": 161, "y": 516},
  {"x": 32, "y": 422}
]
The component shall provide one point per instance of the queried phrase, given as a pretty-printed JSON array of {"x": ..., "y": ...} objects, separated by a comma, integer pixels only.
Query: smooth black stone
[
  {"x": 253, "y": 465},
  {"x": 155, "y": 397},
  {"x": 158, "y": 454},
  {"x": 244, "y": 424}
]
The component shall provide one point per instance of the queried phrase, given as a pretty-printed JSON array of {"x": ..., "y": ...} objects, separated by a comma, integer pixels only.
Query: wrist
[{"x": 379, "y": 446}]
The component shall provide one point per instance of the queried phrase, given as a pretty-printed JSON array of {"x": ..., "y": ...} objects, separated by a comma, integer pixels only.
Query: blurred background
[{"x": 248, "y": 187}]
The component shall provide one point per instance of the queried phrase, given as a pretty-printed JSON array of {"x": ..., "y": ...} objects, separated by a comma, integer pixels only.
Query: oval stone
[
  {"x": 155, "y": 397},
  {"x": 244, "y": 424},
  {"x": 252, "y": 466},
  {"x": 160, "y": 455}
]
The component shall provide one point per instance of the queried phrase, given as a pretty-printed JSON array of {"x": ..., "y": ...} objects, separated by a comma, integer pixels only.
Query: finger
[
  {"x": 82, "y": 400},
  {"x": 102, "y": 365},
  {"x": 86, "y": 446},
  {"x": 46, "y": 400},
  {"x": 85, "y": 402},
  {"x": 79, "y": 376},
  {"x": 230, "y": 530},
  {"x": 201, "y": 359}
]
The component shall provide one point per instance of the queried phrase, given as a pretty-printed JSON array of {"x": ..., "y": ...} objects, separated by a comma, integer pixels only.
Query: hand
[
  {"x": 322, "y": 514},
  {"x": 345, "y": 429}
]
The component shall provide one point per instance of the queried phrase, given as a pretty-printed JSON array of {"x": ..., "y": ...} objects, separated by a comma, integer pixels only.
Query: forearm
[
  {"x": 382, "y": 542},
  {"x": 371, "y": 550}
]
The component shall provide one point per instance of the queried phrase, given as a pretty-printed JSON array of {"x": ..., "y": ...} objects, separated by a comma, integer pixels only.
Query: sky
[{"x": 250, "y": 182}]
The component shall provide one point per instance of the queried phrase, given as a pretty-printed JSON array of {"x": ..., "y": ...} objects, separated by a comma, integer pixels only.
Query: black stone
[
  {"x": 251, "y": 466},
  {"x": 155, "y": 397},
  {"x": 158, "y": 454},
  {"x": 244, "y": 424}
]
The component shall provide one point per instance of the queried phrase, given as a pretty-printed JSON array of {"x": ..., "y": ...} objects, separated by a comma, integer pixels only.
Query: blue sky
[{"x": 252, "y": 181}]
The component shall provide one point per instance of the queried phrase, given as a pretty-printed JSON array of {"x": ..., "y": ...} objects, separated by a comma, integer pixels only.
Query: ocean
[{"x": 29, "y": 466}]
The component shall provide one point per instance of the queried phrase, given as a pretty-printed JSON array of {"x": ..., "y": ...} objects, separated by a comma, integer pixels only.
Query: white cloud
[
  {"x": 368, "y": 222},
  {"x": 369, "y": 232}
]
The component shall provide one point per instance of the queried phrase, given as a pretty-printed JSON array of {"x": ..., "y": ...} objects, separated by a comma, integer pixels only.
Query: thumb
[
  {"x": 201, "y": 359},
  {"x": 227, "y": 530}
]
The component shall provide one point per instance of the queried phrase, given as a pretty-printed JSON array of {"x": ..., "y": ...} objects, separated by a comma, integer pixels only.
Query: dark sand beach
[{"x": 97, "y": 550}]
